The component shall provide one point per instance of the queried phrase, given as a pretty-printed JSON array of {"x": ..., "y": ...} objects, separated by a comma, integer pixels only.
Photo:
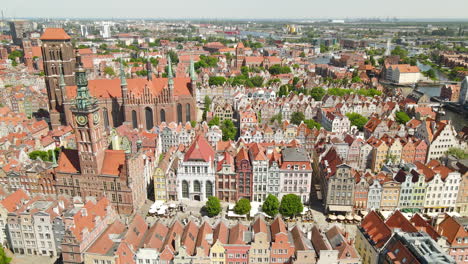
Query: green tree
[
  {"x": 257, "y": 81},
  {"x": 278, "y": 69},
  {"x": 193, "y": 123},
  {"x": 242, "y": 206},
  {"x": 458, "y": 152},
  {"x": 207, "y": 102},
  {"x": 317, "y": 93},
  {"x": 213, "y": 206},
  {"x": 109, "y": 71},
  {"x": 402, "y": 117},
  {"x": 214, "y": 122},
  {"x": 297, "y": 117},
  {"x": 357, "y": 120},
  {"x": 229, "y": 130},
  {"x": 174, "y": 57},
  {"x": 271, "y": 205},
  {"x": 216, "y": 80},
  {"x": 4, "y": 259},
  {"x": 324, "y": 48},
  {"x": 312, "y": 123},
  {"x": 103, "y": 46},
  {"x": 291, "y": 205},
  {"x": 399, "y": 51},
  {"x": 278, "y": 117},
  {"x": 302, "y": 54},
  {"x": 430, "y": 74}
]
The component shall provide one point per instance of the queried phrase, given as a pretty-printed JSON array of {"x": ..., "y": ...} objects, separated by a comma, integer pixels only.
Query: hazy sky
[{"x": 236, "y": 8}]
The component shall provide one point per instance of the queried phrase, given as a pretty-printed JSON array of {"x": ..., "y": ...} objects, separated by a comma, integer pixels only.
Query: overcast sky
[{"x": 300, "y": 9}]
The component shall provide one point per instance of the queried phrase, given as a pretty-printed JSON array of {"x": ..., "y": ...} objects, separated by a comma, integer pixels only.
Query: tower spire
[
  {"x": 123, "y": 79},
  {"x": 170, "y": 77},
  {"x": 149, "y": 71},
  {"x": 193, "y": 76},
  {"x": 83, "y": 99}
]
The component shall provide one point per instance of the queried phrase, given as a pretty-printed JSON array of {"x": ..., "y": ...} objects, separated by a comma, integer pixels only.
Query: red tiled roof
[
  {"x": 113, "y": 161},
  {"x": 13, "y": 200},
  {"x": 200, "y": 150},
  {"x": 110, "y": 88},
  {"x": 104, "y": 243},
  {"x": 68, "y": 161},
  {"x": 55, "y": 34},
  {"x": 398, "y": 220},
  {"x": 376, "y": 228}
]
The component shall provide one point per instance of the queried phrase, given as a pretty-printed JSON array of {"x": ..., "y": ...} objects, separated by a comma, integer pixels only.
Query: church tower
[
  {"x": 193, "y": 80},
  {"x": 88, "y": 127},
  {"x": 124, "y": 90},
  {"x": 240, "y": 55},
  {"x": 58, "y": 56}
]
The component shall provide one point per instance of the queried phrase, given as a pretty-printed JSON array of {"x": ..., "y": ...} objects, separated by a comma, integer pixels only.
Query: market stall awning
[{"x": 340, "y": 208}]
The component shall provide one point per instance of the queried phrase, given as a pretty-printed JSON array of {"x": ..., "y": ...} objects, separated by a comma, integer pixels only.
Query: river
[{"x": 458, "y": 120}]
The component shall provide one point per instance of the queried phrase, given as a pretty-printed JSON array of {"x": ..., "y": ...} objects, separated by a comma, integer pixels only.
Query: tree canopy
[
  {"x": 214, "y": 122},
  {"x": 317, "y": 93},
  {"x": 312, "y": 123},
  {"x": 44, "y": 155},
  {"x": 271, "y": 205},
  {"x": 291, "y": 205},
  {"x": 229, "y": 130},
  {"x": 206, "y": 62},
  {"x": 4, "y": 259},
  {"x": 213, "y": 206},
  {"x": 357, "y": 120},
  {"x": 216, "y": 80},
  {"x": 278, "y": 69},
  {"x": 458, "y": 152},
  {"x": 297, "y": 117},
  {"x": 109, "y": 71},
  {"x": 402, "y": 117},
  {"x": 242, "y": 206}
]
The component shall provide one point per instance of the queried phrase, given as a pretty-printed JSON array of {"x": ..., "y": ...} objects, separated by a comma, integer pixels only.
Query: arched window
[
  {"x": 185, "y": 189},
  {"x": 162, "y": 114},
  {"x": 149, "y": 118},
  {"x": 187, "y": 113},
  {"x": 105, "y": 115},
  {"x": 179, "y": 113},
  {"x": 134, "y": 119},
  {"x": 209, "y": 189},
  {"x": 196, "y": 186}
]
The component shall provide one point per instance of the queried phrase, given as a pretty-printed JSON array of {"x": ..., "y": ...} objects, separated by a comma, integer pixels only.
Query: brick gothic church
[{"x": 140, "y": 102}]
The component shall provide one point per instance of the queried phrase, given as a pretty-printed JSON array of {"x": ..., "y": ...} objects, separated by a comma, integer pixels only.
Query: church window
[
  {"x": 149, "y": 118},
  {"x": 185, "y": 189},
  {"x": 187, "y": 113},
  {"x": 134, "y": 119},
  {"x": 209, "y": 189},
  {"x": 162, "y": 114},
  {"x": 196, "y": 186},
  {"x": 179, "y": 113},
  {"x": 106, "y": 117}
]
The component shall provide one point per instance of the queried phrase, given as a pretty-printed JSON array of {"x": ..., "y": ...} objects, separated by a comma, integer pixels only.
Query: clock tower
[{"x": 89, "y": 132}]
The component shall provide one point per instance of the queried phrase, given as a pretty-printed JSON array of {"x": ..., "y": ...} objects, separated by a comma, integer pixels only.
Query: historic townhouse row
[
  {"x": 221, "y": 243},
  {"x": 430, "y": 187}
]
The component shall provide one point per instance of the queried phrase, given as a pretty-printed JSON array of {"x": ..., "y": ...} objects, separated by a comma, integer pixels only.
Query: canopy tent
[
  {"x": 357, "y": 218},
  {"x": 255, "y": 208},
  {"x": 364, "y": 213},
  {"x": 172, "y": 205},
  {"x": 234, "y": 215},
  {"x": 341, "y": 217},
  {"x": 349, "y": 217},
  {"x": 305, "y": 210},
  {"x": 332, "y": 217}
]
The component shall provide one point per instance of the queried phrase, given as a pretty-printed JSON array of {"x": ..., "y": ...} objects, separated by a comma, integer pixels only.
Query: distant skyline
[{"x": 237, "y": 9}]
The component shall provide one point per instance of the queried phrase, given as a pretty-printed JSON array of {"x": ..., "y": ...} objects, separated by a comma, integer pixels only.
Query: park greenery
[{"x": 44, "y": 155}]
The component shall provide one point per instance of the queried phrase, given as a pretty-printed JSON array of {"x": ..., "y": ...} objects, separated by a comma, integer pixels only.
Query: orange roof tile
[{"x": 55, "y": 34}]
